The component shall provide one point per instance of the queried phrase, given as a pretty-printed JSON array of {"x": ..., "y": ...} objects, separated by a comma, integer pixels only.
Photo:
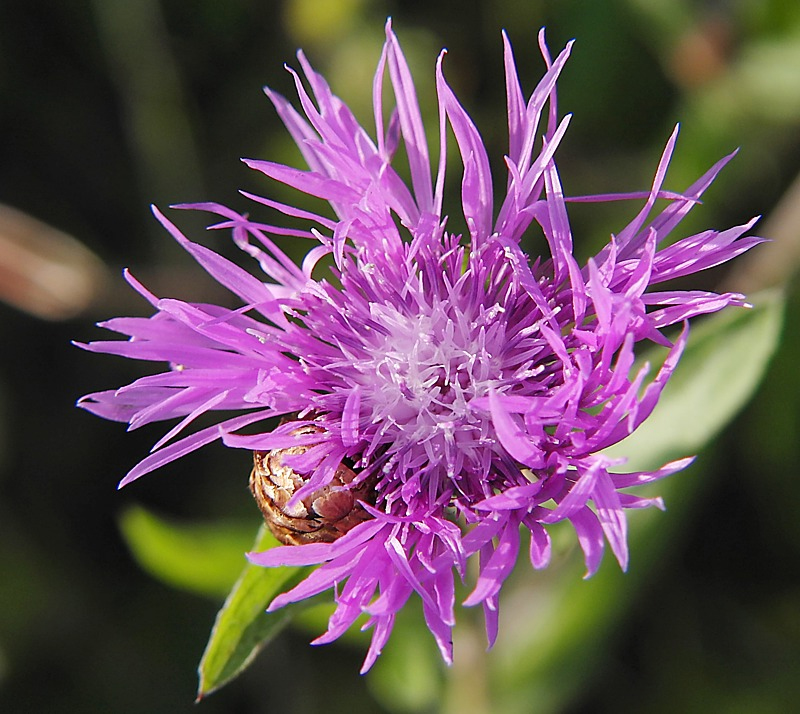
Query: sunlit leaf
[
  {"x": 243, "y": 626},
  {"x": 202, "y": 558},
  {"x": 207, "y": 559}
]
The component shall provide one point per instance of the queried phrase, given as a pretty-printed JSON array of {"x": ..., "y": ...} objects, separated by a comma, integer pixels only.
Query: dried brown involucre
[{"x": 323, "y": 516}]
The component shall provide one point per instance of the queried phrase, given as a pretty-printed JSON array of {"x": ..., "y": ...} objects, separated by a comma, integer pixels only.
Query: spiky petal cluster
[{"x": 476, "y": 388}]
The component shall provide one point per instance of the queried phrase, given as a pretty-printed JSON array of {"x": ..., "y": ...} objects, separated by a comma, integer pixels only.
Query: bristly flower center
[
  {"x": 420, "y": 364},
  {"x": 423, "y": 371}
]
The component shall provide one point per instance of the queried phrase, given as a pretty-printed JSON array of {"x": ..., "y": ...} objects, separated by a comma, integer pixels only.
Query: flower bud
[{"x": 321, "y": 517}]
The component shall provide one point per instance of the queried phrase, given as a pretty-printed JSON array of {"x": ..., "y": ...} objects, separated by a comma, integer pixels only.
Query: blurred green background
[{"x": 107, "y": 106}]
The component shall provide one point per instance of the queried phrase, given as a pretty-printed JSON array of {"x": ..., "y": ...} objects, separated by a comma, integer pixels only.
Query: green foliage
[
  {"x": 243, "y": 627},
  {"x": 201, "y": 558},
  {"x": 206, "y": 558}
]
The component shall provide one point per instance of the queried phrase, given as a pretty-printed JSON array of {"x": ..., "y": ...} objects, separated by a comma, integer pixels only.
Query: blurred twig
[{"x": 45, "y": 272}]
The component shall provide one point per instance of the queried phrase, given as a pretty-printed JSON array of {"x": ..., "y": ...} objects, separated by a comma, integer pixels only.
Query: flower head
[{"x": 457, "y": 391}]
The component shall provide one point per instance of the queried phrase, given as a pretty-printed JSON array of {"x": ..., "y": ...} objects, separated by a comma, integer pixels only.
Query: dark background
[{"x": 108, "y": 106}]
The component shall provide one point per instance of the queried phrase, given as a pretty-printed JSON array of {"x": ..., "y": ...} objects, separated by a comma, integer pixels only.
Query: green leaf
[
  {"x": 207, "y": 559},
  {"x": 243, "y": 626},
  {"x": 202, "y": 558}
]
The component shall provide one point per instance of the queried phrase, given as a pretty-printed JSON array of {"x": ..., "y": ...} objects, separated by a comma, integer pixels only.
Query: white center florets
[{"x": 420, "y": 372}]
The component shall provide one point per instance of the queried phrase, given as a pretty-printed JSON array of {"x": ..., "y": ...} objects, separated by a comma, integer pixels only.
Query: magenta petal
[
  {"x": 411, "y": 124},
  {"x": 540, "y": 549},
  {"x": 476, "y": 186},
  {"x": 575, "y": 498},
  {"x": 380, "y": 636},
  {"x": 642, "y": 477},
  {"x": 512, "y": 437},
  {"x": 611, "y": 517},
  {"x": 315, "y": 553},
  {"x": 590, "y": 537},
  {"x": 497, "y": 569},
  {"x": 491, "y": 615},
  {"x": 511, "y": 499},
  {"x": 231, "y": 276},
  {"x": 186, "y": 445}
]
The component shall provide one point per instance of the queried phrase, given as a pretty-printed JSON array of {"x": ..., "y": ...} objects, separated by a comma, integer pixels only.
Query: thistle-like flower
[{"x": 453, "y": 391}]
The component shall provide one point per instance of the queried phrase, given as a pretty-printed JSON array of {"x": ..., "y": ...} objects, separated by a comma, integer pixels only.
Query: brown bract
[{"x": 323, "y": 516}]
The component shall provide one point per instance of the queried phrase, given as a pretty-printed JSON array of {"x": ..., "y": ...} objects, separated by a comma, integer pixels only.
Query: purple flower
[{"x": 467, "y": 389}]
